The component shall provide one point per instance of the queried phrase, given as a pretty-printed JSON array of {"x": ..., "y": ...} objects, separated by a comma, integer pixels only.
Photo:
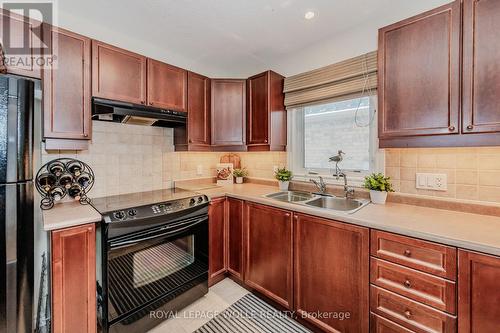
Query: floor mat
[{"x": 250, "y": 314}]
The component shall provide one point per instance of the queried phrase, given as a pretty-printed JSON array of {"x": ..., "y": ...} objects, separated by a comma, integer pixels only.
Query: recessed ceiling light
[{"x": 309, "y": 15}]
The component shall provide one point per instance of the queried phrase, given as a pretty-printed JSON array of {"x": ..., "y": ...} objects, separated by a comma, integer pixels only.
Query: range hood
[{"x": 135, "y": 114}]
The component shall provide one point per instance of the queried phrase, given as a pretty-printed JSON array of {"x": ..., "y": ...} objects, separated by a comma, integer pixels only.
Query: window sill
[{"x": 330, "y": 180}]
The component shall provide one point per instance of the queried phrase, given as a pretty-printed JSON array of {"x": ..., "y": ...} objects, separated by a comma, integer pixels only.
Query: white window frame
[{"x": 296, "y": 146}]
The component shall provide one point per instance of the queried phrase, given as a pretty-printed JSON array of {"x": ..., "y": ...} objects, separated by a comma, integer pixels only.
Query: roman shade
[{"x": 347, "y": 78}]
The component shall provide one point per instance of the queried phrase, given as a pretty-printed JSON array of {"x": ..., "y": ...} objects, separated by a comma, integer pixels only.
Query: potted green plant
[
  {"x": 379, "y": 186},
  {"x": 239, "y": 174},
  {"x": 283, "y": 175}
]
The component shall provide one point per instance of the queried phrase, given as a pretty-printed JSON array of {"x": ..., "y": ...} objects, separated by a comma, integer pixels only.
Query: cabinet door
[
  {"x": 235, "y": 238},
  {"x": 198, "y": 109},
  {"x": 216, "y": 240},
  {"x": 167, "y": 86},
  {"x": 118, "y": 74},
  {"x": 21, "y": 43},
  {"x": 258, "y": 109},
  {"x": 228, "y": 113},
  {"x": 66, "y": 86},
  {"x": 268, "y": 251},
  {"x": 419, "y": 74},
  {"x": 478, "y": 292},
  {"x": 331, "y": 273},
  {"x": 73, "y": 280},
  {"x": 481, "y": 68}
]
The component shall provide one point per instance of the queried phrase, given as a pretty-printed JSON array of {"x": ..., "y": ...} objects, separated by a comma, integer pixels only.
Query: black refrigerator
[{"x": 16, "y": 204}]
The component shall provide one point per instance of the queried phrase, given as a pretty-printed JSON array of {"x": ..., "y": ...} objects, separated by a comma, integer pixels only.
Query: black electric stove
[{"x": 153, "y": 257}]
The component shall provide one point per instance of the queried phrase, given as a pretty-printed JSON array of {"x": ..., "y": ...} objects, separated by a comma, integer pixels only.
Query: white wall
[{"x": 350, "y": 43}]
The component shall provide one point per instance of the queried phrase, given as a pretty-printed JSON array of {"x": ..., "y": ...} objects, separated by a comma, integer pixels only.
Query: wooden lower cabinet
[
  {"x": 410, "y": 314},
  {"x": 424, "y": 288},
  {"x": 479, "y": 293},
  {"x": 73, "y": 262},
  {"x": 381, "y": 325},
  {"x": 235, "y": 238},
  {"x": 331, "y": 274},
  {"x": 216, "y": 239},
  {"x": 268, "y": 252},
  {"x": 428, "y": 257}
]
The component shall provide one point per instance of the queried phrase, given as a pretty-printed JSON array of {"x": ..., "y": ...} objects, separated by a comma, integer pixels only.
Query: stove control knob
[
  {"x": 192, "y": 202},
  {"x": 200, "y": 199},
  {"x": 120, "y": 215},
  {"x": 132, "y": 212}
]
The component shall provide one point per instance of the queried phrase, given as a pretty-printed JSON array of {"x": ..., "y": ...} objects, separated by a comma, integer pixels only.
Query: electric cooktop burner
[{"x": 142, "y": 205}]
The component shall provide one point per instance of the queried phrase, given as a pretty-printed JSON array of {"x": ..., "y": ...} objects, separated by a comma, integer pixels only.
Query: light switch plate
[{"x": 432, "y": 181}]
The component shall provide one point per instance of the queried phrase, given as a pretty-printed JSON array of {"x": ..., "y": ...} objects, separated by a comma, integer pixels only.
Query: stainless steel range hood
[{"x": 136, "y": 114}]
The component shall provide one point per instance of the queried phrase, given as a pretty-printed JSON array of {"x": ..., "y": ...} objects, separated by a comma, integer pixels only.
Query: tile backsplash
[
  {"x": 131, "y": 158},
  {"x": 125, "y": 158},
  {"x": 473, "y": 173}
]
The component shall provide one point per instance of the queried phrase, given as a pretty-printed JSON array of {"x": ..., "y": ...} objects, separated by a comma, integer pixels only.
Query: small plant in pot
[
  {"x": 379, "y": 186},
  {"x": 283, "y": 176},
  {"x": 239, "y": 174}
]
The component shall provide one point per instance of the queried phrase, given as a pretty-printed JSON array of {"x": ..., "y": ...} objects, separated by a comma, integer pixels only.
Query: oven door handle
[{"x": 169, "y": 231}]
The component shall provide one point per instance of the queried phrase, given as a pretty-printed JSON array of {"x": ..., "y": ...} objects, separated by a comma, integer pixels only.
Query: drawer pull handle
[
  {"x": 407, "y": 253},
  {"x": 408, "y": 314},
  {"x": 407, "y": 284}
]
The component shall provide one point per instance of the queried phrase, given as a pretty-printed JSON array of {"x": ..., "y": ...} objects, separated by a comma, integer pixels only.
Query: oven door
[{"x": 148, "y": 269}]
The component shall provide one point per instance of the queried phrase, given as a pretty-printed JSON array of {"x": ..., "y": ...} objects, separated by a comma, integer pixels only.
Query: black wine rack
[{"x": 63, "y": 177}]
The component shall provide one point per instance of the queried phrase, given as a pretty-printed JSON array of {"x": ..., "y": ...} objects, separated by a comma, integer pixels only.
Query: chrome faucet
[
  {"x": 348, "y": 191},
  {"x": 320, "y": 185}
]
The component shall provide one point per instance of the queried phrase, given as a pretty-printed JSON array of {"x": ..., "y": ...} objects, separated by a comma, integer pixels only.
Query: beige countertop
[
  {"x": 69, "y": 214},
  {"x": 464, "y": 230}
]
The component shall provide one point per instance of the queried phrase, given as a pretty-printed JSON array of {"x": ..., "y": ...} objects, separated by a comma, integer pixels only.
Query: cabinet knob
[
  {"x": 142, "y": 102},
  {"x": 265, "y": 140},
  {"x": 407, "y": 284},
  {"x": 408, "y": 314},
  {"x": 407, "y": 253},
  {"x": 190, "y": 141},
  {"x": 451, "y": 128},
  {"x": 150, "y": 103},
  {"x": 85, "y": 135},
  {"x": 470, "y": 127}
]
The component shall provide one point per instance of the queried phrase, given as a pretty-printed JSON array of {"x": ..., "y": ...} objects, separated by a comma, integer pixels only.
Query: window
[{"x": 318, "y": 132}]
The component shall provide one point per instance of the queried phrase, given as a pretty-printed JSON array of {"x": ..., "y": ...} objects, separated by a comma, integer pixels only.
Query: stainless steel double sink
[{"x": 324, "y": 201}]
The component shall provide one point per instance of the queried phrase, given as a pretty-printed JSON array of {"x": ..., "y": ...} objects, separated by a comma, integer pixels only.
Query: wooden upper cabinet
[
  {"x": 481, "y": 66},
  {"x": 419, "y": 74},
  {"x": 266, "y": 115},
  {"x": 216, "y": 240},
  {"x": 331, "y": 273},
  {"x": 228, "y": 114},
  {"x": 22, "y": 57},
  {"x": 73, "y": 274},
  {"x": 66, "y": 86},
  {"x": 479, "y": 292},
  {"x": 269, "y": 252},
  {"x": 196, "y": 135},
  {"x": 118, "y": 74},
  {"x": 167, "y": 86}
]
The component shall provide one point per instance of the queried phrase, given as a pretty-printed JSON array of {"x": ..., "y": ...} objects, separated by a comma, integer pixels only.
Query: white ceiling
[{"x": 238, "y": 38}]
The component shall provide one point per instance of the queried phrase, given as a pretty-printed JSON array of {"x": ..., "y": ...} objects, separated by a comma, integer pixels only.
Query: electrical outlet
[
  {"x": 199, "y": 170},
  {"x": 432, "y": 181}
]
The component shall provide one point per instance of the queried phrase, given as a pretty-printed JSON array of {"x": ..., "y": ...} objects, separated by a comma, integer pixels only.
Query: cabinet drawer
[
  {"x": 410, "y": 314},
  {"x": 424, "y": 256},
  {"x": 381, "y": 325},
  {"x": 422, "y": 287}
]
